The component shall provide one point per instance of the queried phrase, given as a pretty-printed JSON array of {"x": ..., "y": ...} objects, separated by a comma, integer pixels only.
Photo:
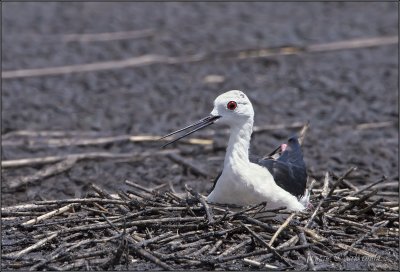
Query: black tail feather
[{"x": 289, "y": 170}]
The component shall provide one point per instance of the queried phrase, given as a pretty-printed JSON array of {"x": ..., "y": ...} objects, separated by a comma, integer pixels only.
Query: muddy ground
[{"x": 350, "y": 96}]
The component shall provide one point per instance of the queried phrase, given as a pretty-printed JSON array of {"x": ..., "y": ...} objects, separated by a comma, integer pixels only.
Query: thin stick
[
  {"x": 351, "y": 169},
  {"x": 207, "y": 209},
  {"x": 240, "y": 256},
  {"x": 147, "y": 255},
  {"x": 359, "y": 201},
  {"x": 348, "y": 222},
  {"x": 259, "y": 239},
  {"x": 115, "y": 258},
  {"x": 84, "y": 37},
  {"x": 147, "y": 242},
  {"x": 209, "y": 213},
  {"x": 369, "y": 207},
  {"x": 351, "y": 44},
  {"x": 281, "y": 228},
  {"x": 327, "y": 195},
  {"x": 137, "y": 186},
  {"x": 254, "y": 221},
  {"x": 303, "y": 132},
  {"x": 200, "y": 251},
  {"x": 291, "y": 241},
  {"x": 302, "y": 246},
  {"x": 107, "y": 36},
  {"x": 48, "y": 133},
  {"x": 215, "y": 247},
  {"x": 369, "y": 186},
  {"x": 310, "y": 260},
  {"x": 259, "y": 265},
  {"x": 145, "y": 60},
  {"x": 48, "y": 215},
  {"x": 100, "y": 191},
  {"x": 356, "y": 250},
  {"x": 145, "y": 222},
  {"x": 374, "y": 229},
  {"x": 234, "y": 248},
  {"x": 52, "y": 170},
  {"x": 99, "y": 140},
  {"x": 81, "y": 156},
  {"x": 58, "y": 252},
  {"x": 325, "y": 188},
  {"x": 81, "y": 200},
  {"x": 35, "y": 246},
  {"x": 27, "y": 207}
]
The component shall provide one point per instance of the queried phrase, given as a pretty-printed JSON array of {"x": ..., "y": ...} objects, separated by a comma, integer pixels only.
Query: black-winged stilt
[{"x": 243, "y": 181}]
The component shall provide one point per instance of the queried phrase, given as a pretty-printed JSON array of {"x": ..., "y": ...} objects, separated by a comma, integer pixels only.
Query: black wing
[{"x": 289, "y": 170}]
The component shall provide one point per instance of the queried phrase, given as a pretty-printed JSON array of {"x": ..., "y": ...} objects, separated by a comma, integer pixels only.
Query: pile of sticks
[{"x": 155, "y": 228}]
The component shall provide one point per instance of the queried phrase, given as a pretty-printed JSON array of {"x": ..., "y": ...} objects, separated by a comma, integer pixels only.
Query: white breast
[{"x": 251, "y": 184}]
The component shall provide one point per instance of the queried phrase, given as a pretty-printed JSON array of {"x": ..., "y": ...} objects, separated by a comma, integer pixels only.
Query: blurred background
[{"x": 82, "y": 78}]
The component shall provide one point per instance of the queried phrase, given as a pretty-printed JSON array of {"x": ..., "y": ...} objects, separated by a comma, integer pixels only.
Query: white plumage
[{"x": 243, "y": 182}]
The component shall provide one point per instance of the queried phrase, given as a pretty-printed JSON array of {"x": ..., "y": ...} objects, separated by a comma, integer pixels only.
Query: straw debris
[{"x": 158, "y": 229}]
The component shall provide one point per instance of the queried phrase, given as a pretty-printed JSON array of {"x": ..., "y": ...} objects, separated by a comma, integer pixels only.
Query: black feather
[{"x": 289, "y": 170}]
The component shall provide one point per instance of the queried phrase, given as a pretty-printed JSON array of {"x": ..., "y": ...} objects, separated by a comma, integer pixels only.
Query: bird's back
[{"x": 289, "y": 169}]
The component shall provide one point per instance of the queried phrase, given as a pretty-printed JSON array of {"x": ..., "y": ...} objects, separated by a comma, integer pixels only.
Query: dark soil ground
[{"x": 350, "y": 96}]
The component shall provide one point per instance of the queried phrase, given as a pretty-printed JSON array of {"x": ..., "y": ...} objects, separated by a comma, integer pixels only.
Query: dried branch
[
  {"x": 52, "y": 170},
  {"x": 83, "y": 156},
  {"x": 35, "y": 246},
  {"x": 48, "y": 215},
  {"x": 284, "y": 224},
  {"x": 310, "y": 260},
  {"x": 149, "y": 59}
]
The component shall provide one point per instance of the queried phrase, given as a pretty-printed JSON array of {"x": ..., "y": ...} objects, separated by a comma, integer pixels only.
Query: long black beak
[{"x": 205, "y": 122}]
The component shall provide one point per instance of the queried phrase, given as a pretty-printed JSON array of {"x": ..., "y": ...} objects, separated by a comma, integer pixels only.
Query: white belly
[{"x": 251, "y": 185}]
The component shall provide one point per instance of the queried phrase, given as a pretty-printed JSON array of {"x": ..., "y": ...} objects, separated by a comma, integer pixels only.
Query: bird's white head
[{"x": 233, "y": 107}]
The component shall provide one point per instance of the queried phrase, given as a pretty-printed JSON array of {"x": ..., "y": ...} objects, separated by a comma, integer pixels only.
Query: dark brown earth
[{"x": 349, "y": 95}]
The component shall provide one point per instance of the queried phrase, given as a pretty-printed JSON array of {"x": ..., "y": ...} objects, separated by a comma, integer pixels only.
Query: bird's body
[
  {"x": 279, "y": 182},
  {"x": 251, "y": 186}
]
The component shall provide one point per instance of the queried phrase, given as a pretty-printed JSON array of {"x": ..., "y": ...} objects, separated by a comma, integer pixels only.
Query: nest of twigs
[{"x": 147, "y": 229}]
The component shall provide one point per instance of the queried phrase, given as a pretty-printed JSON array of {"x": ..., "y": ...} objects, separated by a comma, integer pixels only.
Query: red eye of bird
[{"x": 231, "y": 105}]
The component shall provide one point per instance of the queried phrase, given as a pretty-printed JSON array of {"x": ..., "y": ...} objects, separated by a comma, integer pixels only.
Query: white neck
[{"x": 239, "y": 143}]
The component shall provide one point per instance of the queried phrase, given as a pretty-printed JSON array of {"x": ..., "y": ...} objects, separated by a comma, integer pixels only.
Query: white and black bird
[{"x": 243, "y": 181}]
